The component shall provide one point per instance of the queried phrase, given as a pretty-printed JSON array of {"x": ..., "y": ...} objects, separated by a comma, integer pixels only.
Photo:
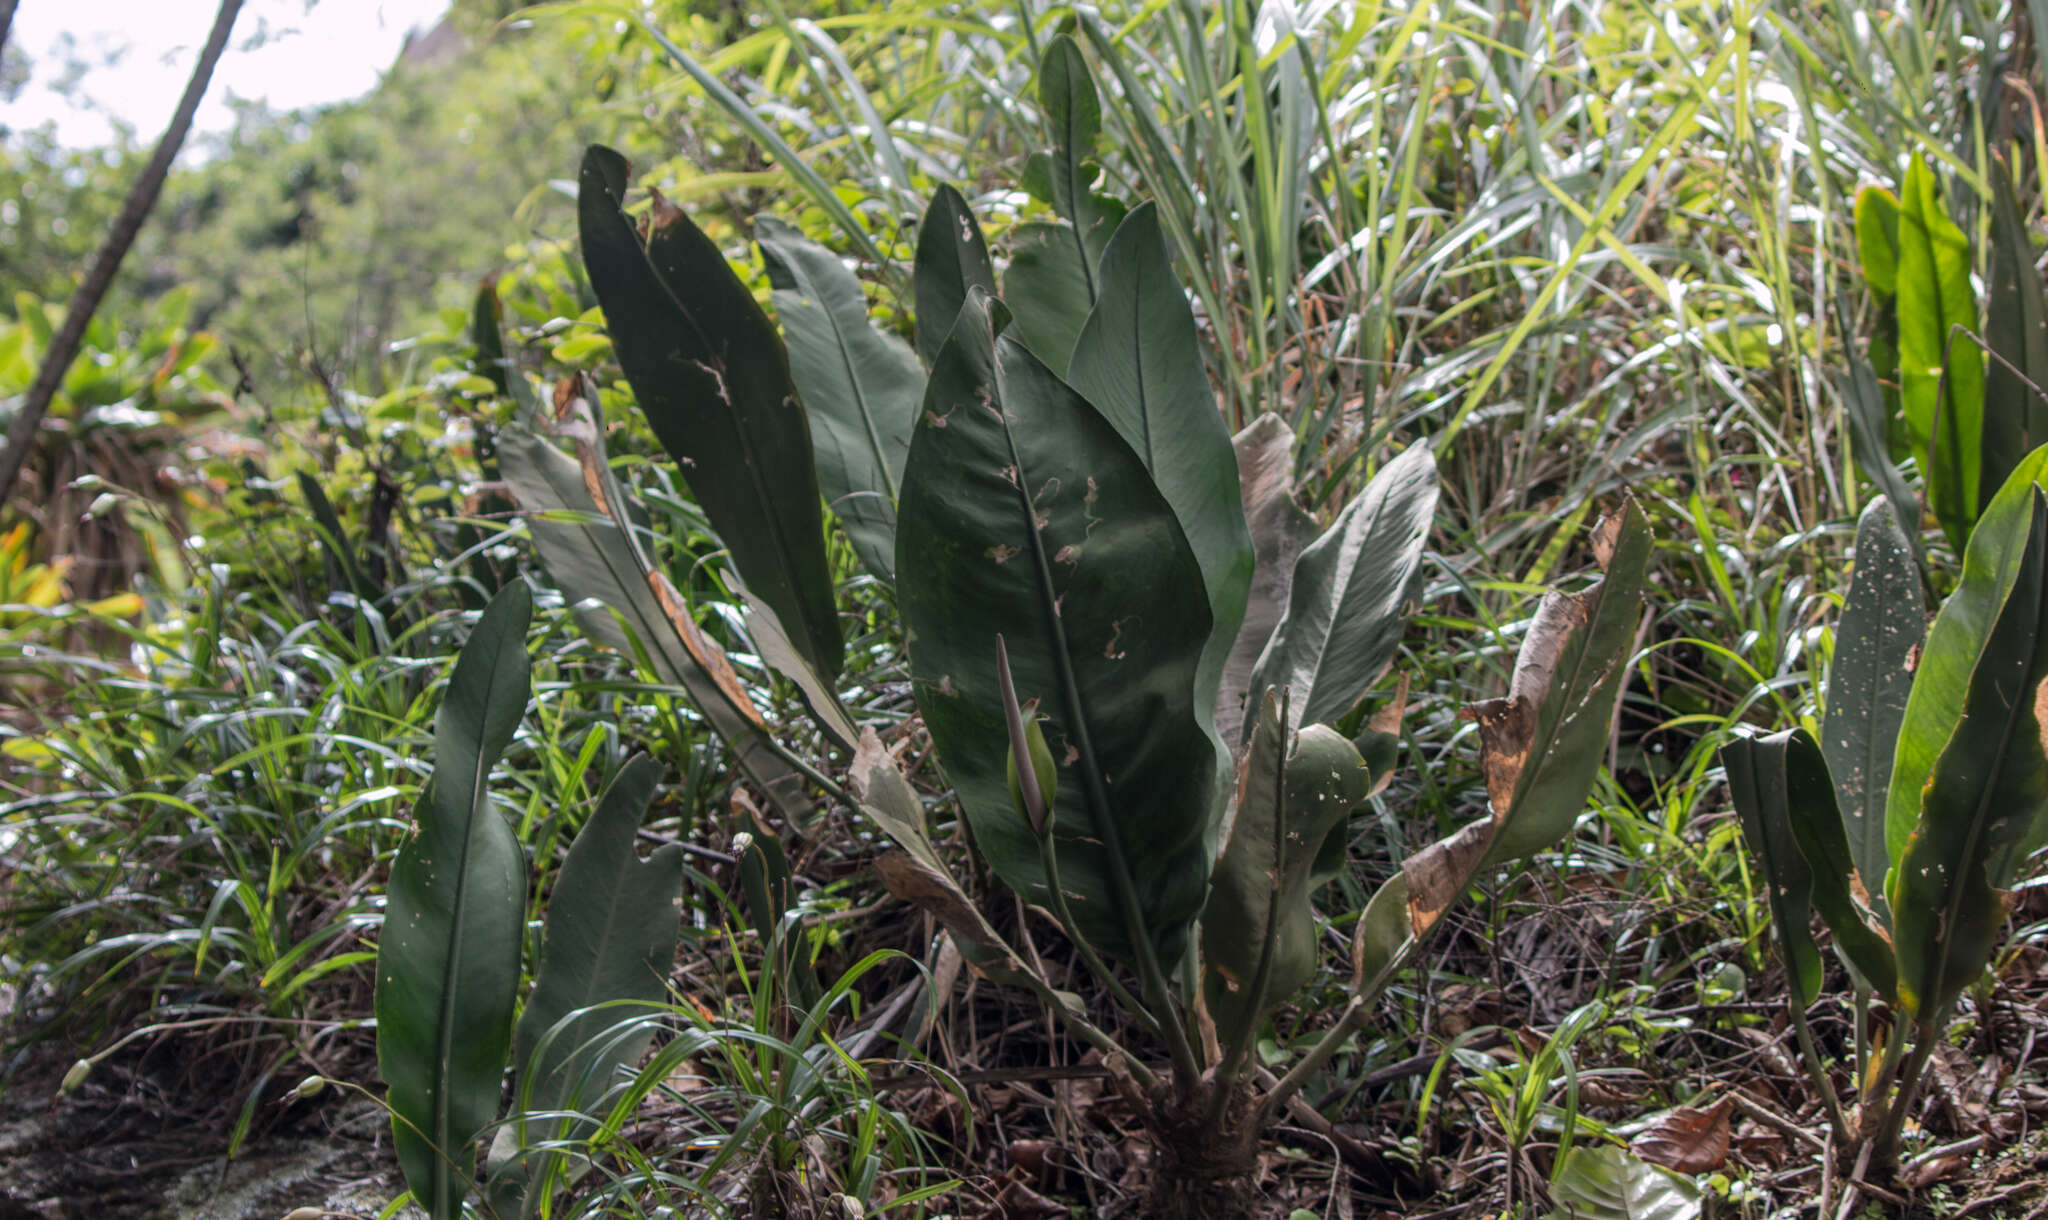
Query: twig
[
  {"x": 86, "y": 301},
  {"x": 1934, "y": 1154},
  {"x": 1776, "y": 1121}
]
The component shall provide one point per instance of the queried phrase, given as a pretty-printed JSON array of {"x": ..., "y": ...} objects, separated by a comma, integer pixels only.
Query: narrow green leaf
[
  {"x": 1877, "y": 238},
  {"x": 768, "y": 886},
  {"x": 448, "y": 957},
  {"x": 2016, "y": 331},
  {"x": 1941, "y": 369},
  {"x": 1346, "y": 608},
  {"x": 861, "y": 388},
  {"x": 1985, "y": 799},
  {"x": 1869, "y": 410},
  {"x": 611, "y": 932},
  {"x": 1139, "y": 361},
  {"x": 343, "y": 572},
  {"x": 1024, "y": 514},
  {"x": 1883, "y": 622},
  {"x": 952, "y": 259},
  {"x": 1293, "y": 797},
  {"x": 1756, "y": 784},
  {"x": 713, "y": 379},
  {"x": 486, "y": 332}
]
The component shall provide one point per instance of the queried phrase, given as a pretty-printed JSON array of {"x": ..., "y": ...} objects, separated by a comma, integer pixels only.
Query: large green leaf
[
  {"x": 1346, "y": 607},
  {"x": 1051, "y": 289},
  {"x": 1985, "y": 799},
  {"x": 1279, "y": 531},
  {"x": 625, "y": 606},
  {"x": 1786, "y": 800},
  {"x": 1883, "y": 621},
  {"x": 1541, "y": 746},
  {"x": 1291, "y": 797},
  {"x": 610, "y": 940},
  {"x": 1941, "y": 369},
  {"x": 448, "y": 956},
  {"x": 1139, "y": 361},
  {"x": 1955, "y": 648},
  {"x": 1052, "y": 278},
  {"x": 861, "y": 387},
  {"x": 1025, "y": 515},
  {"x": 952, "y": 259},
  {"x": 713, "y": 380},
  {"x": 2016, "y": 331},
  {"x": 1602, "y": 1182}
]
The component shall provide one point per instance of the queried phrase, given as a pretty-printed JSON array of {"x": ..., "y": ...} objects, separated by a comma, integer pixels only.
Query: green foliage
[
  {"x": 1782, "y": 790},
  {"x": 1138, "y": 360},
  {"x": 1968, "y": 785},
  {"x": 1024, "y": 515},
  {"x": 1601, "y": 1182},
  {"x": 609, "y": 943},
  {"x": 1981, "y": 804},
  {"x": 860, "y": 387},
  {"x": 1348, "y": 597},
  {"x": 1884, "y": 619},
  {"x": 448, "y": 960},
  {"x": 1259, "y": 925},
  {"x": 1052, "y": 280},
  {"x": 713, "y": 379},
  {"x": 952, "y": 261}
]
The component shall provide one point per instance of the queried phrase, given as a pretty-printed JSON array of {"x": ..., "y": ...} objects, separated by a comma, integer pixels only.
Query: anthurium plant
[
  {"x": 1149, "y": 674},
  {"x": 1905, "y": 823}
]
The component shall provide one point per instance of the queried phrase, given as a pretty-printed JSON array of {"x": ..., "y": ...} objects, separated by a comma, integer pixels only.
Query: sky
[{"x": 285, "y": 52}]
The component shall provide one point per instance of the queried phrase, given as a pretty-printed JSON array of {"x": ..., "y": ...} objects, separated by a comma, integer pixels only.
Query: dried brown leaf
[
  {"x": 928, "y": 889},
  {"x": 1437, "y": 874},
  {"x": 703, "y": 649},
  {"x": 1686, "y": 1140}
]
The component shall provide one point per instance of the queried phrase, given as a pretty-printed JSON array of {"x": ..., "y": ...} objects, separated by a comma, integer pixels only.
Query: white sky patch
[{"x": 307, "y": 55}]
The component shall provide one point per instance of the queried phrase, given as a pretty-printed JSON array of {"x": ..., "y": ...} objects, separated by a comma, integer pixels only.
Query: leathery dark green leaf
[
  {"x": 1786, "y": 800},
  {"x": 1024, "y": 514},
  {"x": 861, "y": 388},
  {"x": 1883, "y": 621},
  {"x": 1139, "y": 361},
  {"x": 609, "y": 941},
  {"x": 952, "y": 258},
  {"x": 2016, "y": 332},
  {"x": 713, "y": 379},
  {"x": 1955, "y": 645},
  {"x": 1986, "y": 797},
  {"x": 1346, "y": 605},
  {"x": 448, "y": 956},
  {"x": 1293, "y": 795},
  {"x": 1052, "y": 281}
]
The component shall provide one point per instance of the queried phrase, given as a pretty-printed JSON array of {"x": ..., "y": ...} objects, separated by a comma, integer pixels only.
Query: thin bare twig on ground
[{"x": 134, "y": 211}]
